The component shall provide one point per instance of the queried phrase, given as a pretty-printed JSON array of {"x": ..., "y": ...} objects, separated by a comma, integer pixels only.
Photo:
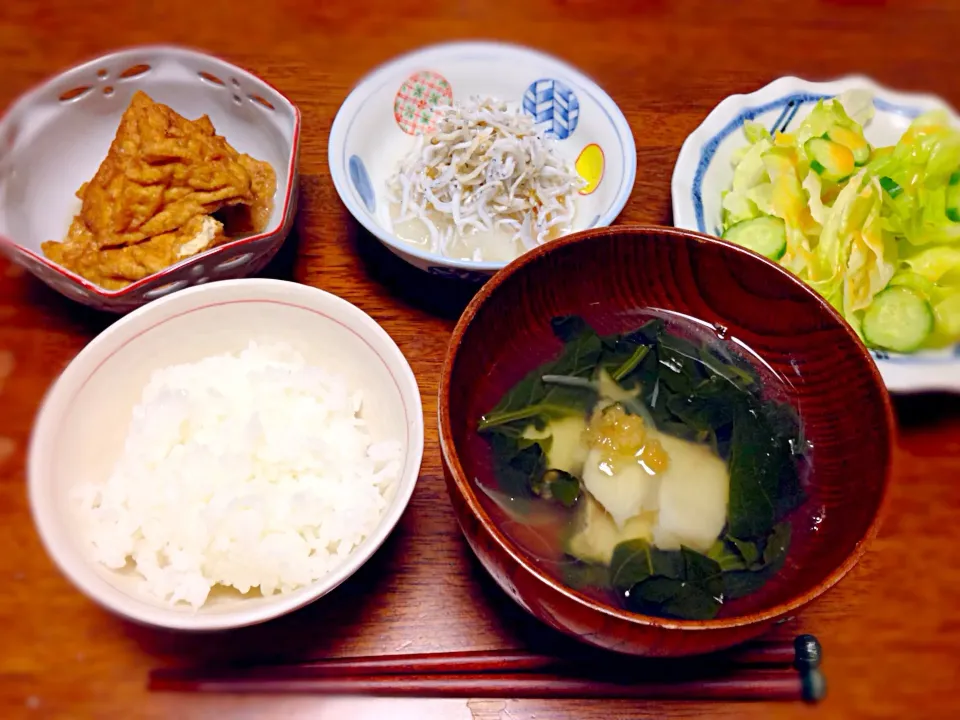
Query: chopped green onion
[{"x": 891, "y": 186}]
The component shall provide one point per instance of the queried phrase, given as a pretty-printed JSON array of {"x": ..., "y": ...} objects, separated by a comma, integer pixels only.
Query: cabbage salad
[{"x": 875, "y": 230}]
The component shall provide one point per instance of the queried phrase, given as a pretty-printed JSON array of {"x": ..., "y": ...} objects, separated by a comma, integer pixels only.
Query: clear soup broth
[{"x": 659, "y": 470}]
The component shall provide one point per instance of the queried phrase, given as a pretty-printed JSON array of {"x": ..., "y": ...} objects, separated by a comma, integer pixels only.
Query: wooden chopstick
[
  {"x": 756, "y": 671},
  {"x": 755, "y": 685},
  {"x": 462, "y": 663},
  {"x": 471, "y": 661}
]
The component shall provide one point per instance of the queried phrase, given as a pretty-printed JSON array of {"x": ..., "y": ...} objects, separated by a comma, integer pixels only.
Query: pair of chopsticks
[{"x": 761, "y": 671}]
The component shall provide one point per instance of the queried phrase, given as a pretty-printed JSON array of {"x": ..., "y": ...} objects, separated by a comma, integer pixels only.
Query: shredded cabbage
[{"x": 893, "y": 221}]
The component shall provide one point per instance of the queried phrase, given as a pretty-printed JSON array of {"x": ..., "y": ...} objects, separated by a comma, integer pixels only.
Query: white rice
[{"x": 252, "y": 470}]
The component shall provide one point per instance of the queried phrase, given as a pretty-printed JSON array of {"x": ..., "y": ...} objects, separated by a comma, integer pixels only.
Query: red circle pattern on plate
[{"x": 414, "y": 108}]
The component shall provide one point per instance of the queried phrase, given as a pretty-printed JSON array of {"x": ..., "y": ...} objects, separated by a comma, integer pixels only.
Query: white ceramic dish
[
  {"x": 369, "y": 137},
  {"x": 54, "y": 138},
  {"x": 82, "y": 423},
  {"x": 704, "y": 170}
]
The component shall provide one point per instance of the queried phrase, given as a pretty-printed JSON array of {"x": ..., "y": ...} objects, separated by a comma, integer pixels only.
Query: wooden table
[{"x": 890, "y": 633}]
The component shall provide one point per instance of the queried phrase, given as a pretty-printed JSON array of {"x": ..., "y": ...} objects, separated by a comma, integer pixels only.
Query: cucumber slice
[
  {"x": 898, "y": 319},
  {"x": 953, "y": 202},
  {"x": 765, "y": 235},
  {"x": 853, "y": 141},
  {"x": 916, "y": 282},
  {"x": 830, "y": 160},
  {"x": 946, "y": 317}
]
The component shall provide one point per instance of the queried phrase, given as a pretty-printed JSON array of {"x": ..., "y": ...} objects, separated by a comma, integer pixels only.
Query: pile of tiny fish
[{"x": 485, "y": 170}]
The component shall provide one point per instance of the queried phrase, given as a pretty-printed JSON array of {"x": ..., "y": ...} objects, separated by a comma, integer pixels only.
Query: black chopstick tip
[
  {"x": 813, "y": 685},
  {"x": 808, "y": 653}
]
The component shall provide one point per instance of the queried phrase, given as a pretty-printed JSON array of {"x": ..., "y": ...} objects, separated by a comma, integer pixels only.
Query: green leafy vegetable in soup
[
  {"x": 669, "y": 473},
  {"x": 876, "y": 231}
]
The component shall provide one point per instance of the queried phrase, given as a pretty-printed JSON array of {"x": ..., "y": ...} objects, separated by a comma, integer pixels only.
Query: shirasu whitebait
[{"x": 485, "y": 169}]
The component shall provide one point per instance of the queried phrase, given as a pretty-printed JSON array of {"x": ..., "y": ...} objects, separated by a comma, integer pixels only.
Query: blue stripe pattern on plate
[
  {"x": 554, "y": 107},
  {"x": 361, "y": 181},
  {"x": 786, "y": 117},
  {"x": 937, "y": 359}
]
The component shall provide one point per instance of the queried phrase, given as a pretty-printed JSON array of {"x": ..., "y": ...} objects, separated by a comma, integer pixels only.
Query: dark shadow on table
[
  {"x": 524, "y": 630},
  {"x": 445, "y": 297},
  {"x": 66, "y": 312},
  {"x": 924, "y": 409},
  {"x": 283, "y": 264}
]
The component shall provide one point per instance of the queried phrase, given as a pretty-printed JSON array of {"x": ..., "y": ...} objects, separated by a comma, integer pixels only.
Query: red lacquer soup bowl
[{"x": 607, "y": 276}]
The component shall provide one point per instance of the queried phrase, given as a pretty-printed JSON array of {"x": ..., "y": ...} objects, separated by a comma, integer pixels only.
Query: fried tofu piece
[
  {"x": 152, "y": 199},
  {"x": 255, "y": 216},
  {"x": 114, "y": 268}
]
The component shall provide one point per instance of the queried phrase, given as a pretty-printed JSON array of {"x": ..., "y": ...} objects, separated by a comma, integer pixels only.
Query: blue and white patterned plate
[
  {"x": 377, "y": 122},
  {"x": 704, "y": 170}
]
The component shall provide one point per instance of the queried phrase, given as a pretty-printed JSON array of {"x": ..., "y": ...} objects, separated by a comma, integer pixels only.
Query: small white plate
[
  {"x": 53, "y": 139},
  {"x": 377, "y": 122},
  {"x": 704, "y": 170}
]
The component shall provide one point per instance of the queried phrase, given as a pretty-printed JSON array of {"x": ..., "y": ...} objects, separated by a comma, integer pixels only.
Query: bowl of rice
[
  {"x": 226, "y": 454},
  {"x": 462, "y": 156}
]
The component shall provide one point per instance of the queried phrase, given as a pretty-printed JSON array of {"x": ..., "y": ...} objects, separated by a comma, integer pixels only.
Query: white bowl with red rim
[
  {"x": 80, "y": 429},
  {"x": 53, "y": 139}
]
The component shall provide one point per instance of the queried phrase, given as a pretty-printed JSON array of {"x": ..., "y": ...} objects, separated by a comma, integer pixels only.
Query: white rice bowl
[{"x": 226, "y": 493}]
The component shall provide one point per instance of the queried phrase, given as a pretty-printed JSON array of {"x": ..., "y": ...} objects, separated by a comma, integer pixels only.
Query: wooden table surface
[{"x": 890, "y": 632}]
